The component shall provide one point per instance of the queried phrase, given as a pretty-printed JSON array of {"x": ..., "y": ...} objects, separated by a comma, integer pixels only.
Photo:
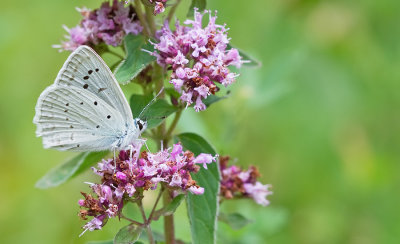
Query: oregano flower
[
  {"x": 109, "y": 25},
  {"x": 198, "y": 56},
  {"x": 127, "y": 177},
  {"x": 236, "y": 182}
]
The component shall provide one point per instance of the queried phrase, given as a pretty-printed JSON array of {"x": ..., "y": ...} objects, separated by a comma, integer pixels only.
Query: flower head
[
  {"x": 237, "y": 182},
  {"x": 127, "y": 177},
  {"x": 108, "y": 24},
  {"x": 159, "y": 6},
  {"x": 198, "y": 56}
]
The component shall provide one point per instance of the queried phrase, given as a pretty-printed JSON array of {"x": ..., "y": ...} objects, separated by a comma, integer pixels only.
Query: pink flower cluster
[
  {"x": 236, "y": 182},
  {"x": 122, "y": 178},
  {"x": 108, "y": 24},
  {"x": 199, "y": 58}
]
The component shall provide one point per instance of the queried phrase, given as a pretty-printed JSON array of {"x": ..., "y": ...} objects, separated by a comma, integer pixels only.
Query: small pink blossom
[
  {"x": 81, "y": 202},
  {"x": 258, "y": 192},
  {"x": 120, "y": 176},
  {"x": 196, "y": 190},
  {"x": 204, "y": 159}
]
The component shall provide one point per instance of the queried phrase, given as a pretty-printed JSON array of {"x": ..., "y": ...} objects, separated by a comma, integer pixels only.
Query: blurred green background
[{"x": 320, "y": 118}]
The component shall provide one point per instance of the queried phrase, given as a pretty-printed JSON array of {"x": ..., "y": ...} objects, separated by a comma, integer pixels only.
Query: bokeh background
[{"x": 320, "y": 118}]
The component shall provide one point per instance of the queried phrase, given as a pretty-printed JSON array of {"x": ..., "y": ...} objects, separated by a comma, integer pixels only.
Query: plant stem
[
  {"x": 131, "y": 220},
  {"x": 173, "y": 125},
  {"x": 146, "y": 221},
  {"x": 155, "y": 204},
  {"x": 172, "y": 10},
  {"x": 169, "y": 229},
  {"x": 150, "y": 20},
  {"x": 138, "y": 9}
]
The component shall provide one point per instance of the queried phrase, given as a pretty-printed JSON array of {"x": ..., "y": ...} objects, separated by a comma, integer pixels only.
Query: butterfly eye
[{"x": 139, "y": 123}]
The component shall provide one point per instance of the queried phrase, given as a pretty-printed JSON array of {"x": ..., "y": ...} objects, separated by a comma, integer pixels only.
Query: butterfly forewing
[
  {"x": 72, "y": 118},
  {"x": 86, "y": 70}
]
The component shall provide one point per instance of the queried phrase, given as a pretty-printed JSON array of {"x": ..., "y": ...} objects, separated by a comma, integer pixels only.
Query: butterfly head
[{"x": 141, "y": 125}]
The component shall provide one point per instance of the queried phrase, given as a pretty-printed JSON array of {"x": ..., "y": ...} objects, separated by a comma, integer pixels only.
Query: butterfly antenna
[{"x": 151, "y": 102}]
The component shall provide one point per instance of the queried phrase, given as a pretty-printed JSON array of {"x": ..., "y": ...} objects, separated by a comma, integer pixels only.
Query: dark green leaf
[
  {"x": 212, "y": 99},
  {"x": 202, "y": 209},
  {"x": 251, "y": 62},
  {"x": 172, "y": 92},
  {"x": 69, "y": 169},
  {"x": 101, "y": 242},
  {"x": 234, "y": 220},
  {"x": 136, "y": 59},
  {"x": 157, "y": 236},
  {"x": 155, "y": 113},
  {"x": 200, "y": 4},
  {"x": 128, "y": 234},
  {"x": 170, "y": 208}
]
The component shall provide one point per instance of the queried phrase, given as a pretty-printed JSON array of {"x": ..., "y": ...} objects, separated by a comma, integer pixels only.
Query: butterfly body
[{"x": 85, "y": 109}]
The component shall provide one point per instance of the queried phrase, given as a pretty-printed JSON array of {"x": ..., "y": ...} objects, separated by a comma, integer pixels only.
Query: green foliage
[
  {"x": 212, "y": 99},
  {"x": 170, "y": 208},
  {"x": 136, "y": 59},
  {"x": 155, "y": 113},
  {"x": 202, "y": 209},
  {"x": 200, "y": 4},
  {"x": 101, "y": 242},
  {"x": 128, "y": 234},
  {"x": 70, "y": 169},
  {"x": 234, "y": 220}
]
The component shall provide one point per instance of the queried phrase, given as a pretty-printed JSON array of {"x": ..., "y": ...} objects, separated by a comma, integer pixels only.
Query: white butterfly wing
[
  {"x": 72, "y": 118},
  {"x": 85, "y": 69},
  {"x": 85, "y": 109}
]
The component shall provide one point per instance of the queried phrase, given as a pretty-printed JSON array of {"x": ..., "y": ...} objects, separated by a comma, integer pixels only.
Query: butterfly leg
[
  {"x": 115, "y": 162},
  {"x": 131, "y": 151}
]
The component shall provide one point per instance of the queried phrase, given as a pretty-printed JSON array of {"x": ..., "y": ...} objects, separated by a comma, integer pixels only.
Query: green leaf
[
  {"x": 202, "y": 209},
  {"x": 155, "y": 113},
  {"x": 170, "y": 208},
  {"x": 212, "y": 99},
  {"x": 157, "y": 236},
  {"x": 70, "y": 169},
  {"x": 101, "y": 242},
  {"x": 172, "y": 92},
  {"x": 136, "y": 59},
  {"x": 234, "y": 220},
  {"x": 128, "y": 234},
  {"x": 251, "y": 62},
  {"x": 200, "y": 4}
]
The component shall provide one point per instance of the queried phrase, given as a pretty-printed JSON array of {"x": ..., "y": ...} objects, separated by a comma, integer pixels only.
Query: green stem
[
  {"x": 150, "y": 19},
  {"x": 146, "y": 223},
  {"x": 138, "y": 9},
  {"x": 172, "y": 10},
  {"x": 173, "y": 125},
  {"x": 131, "y": 220},
  {"x": 155, "y": 204},
  {"x": 169, "y": 229}
]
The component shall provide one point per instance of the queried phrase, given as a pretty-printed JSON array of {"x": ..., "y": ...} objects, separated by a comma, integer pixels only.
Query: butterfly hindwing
[{"x": 72, "y": 118}]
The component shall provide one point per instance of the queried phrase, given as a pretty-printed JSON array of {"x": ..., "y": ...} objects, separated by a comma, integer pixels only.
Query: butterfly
[{"x": 85, "y": 109}]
